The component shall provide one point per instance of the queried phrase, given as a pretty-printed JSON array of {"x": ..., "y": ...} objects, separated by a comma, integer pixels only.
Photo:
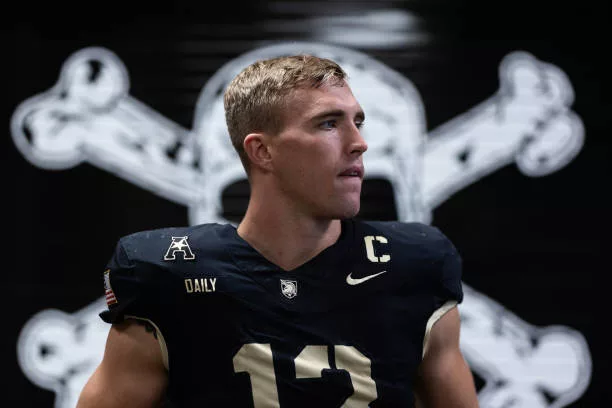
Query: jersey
[{"x": 345, "y": 329}]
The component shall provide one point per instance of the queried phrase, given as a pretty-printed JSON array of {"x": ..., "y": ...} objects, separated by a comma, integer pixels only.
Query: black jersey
[{"x": 345, "y": 329}]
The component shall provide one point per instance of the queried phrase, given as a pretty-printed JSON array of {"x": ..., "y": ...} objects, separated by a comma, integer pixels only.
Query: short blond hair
[{"x": 254, "y": 98}]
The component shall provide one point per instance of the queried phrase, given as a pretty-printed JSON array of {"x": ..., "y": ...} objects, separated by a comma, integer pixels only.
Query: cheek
[
  {"x": 308, "y": 163},
  {"x": 298, "y": 170},
  {"x": 319, "y": 167},
  {"x": 308, "y": 159}
]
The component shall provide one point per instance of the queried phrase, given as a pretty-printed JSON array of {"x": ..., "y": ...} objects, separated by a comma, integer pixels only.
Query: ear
[{"x": 257, "y": 149}]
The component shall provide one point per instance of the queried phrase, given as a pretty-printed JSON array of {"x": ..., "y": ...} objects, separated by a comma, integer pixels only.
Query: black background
[{"x": 539, "y": 246}]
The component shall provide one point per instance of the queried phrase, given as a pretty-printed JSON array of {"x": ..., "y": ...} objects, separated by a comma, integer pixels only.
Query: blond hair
[{"x": 254, "y": 99}]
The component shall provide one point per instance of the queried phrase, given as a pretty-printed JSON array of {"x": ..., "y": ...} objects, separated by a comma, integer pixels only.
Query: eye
[
  {"x": 328, "y": 124},
  {"x": 359, "y": 124}
]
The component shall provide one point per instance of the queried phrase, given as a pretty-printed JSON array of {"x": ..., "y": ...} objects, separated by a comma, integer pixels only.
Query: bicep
[
  {"x": 132, "y": 371},
  {"x": 445, "y": 379}
]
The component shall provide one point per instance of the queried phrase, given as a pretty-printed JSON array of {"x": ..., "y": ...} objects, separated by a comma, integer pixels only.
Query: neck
[{"x": 285, "y": 237}]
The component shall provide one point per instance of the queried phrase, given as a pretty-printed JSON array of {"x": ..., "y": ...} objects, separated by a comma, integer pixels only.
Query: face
[{"x": 317, "y": 157}]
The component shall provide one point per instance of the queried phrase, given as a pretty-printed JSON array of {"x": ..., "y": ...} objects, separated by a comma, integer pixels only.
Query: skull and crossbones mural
[{"x": 89, "y": 116}]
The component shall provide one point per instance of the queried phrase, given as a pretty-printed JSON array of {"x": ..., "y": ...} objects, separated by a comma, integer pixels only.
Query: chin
[
  {"x": 346, "y": 207},
  {"x": 348, "y": 210}
]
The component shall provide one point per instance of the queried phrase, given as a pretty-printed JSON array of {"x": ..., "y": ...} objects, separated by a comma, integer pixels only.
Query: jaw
[
  {"x": 345, "y": 204},
  {"x": 313, "y": 198}
]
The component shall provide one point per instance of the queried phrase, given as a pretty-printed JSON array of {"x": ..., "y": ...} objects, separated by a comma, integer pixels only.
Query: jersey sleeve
[
  {"x": 449, "y": 288},
  {"x": 130, "y": 288}
]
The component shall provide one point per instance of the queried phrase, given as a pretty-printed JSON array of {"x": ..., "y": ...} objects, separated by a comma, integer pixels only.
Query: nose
[{"x": 358, "y": 144}]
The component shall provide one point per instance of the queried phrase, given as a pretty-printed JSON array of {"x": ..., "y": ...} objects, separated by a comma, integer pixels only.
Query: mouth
[{"x": 353, "y": 171}]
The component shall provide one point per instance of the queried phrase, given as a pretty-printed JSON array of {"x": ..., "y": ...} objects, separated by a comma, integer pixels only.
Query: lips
[{"x": 353, "y": 171}]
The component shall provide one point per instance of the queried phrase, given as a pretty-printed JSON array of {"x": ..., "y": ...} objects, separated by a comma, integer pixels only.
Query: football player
[{"x": 301, "y": 304}]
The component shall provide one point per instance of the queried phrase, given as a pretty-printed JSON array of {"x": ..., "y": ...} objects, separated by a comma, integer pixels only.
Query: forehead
[{"x": 308, "y": 102}]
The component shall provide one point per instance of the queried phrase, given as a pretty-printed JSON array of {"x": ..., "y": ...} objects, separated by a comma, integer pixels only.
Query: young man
[{"x": 301, "y": 305}]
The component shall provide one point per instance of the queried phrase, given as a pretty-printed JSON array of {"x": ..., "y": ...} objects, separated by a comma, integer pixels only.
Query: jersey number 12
[{"x": 256, "y": 359}]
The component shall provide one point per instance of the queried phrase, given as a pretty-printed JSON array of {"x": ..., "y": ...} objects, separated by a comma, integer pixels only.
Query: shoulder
[
  {"x": 146, "y": 266},
  {"x": 420, "y": 253},
  {"x": 161, "y": 244},
  {"x": 428, "y": 240}
]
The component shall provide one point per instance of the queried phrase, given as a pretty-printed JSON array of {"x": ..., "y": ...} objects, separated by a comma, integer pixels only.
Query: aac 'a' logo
[
  {"x": 289, "y": 288},
  {"x": 180, "y": 245}
]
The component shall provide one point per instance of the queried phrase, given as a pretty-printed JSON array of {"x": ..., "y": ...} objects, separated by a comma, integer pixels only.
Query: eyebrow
[{"x": 337, "y": 113}]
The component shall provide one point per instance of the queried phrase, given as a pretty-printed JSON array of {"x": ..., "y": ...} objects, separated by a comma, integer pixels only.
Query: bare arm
[
  {"x": 132, "y": 372},
  {"x": 445, "y": 379}
]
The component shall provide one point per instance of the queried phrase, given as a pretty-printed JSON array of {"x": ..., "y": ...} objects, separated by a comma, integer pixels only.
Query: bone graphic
[
  {"x": 88, "y": 116},
  {"x": 59, "y": 351},
  {"x": 524, "y": 366},
  {"x": 527, "y": 121}
]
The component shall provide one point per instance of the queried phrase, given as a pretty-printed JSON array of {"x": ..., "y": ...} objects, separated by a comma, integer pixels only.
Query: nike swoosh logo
[{"x": 352, "y": 281}]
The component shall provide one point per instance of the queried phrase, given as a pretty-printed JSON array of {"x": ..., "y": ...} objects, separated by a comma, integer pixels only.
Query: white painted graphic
[
  {"x": 89, "y": 116},
  {"x": 59, "y": 351}
]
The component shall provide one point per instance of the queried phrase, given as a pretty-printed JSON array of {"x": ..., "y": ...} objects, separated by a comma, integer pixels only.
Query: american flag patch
[{"x": 110, "y": 295}]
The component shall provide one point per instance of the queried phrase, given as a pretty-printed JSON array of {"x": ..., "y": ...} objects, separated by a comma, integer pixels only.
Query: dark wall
[{"x": 537, "y": 246}]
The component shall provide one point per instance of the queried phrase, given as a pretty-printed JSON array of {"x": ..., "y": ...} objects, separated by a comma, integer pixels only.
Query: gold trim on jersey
[
  {"x": 160, "y": 339},
  {"x": 435, "y": 316}
]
